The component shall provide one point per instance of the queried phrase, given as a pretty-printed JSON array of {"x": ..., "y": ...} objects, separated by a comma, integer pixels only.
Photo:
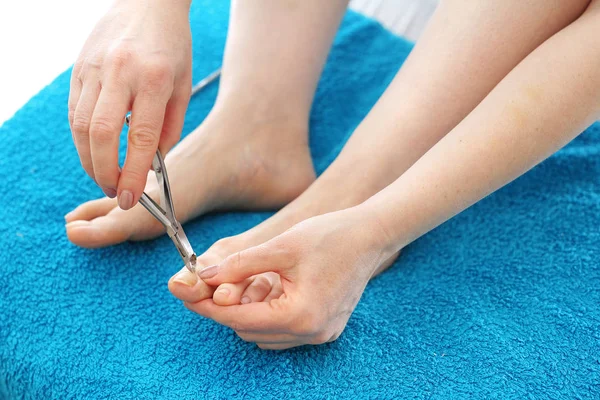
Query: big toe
[
  {"x": 99, "y": 232},
  {"x": 93, "y": 226},
  {"x": 187, "y": 287},
  {"x": 91, "y": 209}
]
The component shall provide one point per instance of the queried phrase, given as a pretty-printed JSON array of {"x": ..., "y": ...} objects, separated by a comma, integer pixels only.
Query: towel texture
[{"x": 501, "y": 302}]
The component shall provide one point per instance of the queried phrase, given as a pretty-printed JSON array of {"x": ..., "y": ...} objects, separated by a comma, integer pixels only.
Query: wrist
[{"x": 377, "y": 236}]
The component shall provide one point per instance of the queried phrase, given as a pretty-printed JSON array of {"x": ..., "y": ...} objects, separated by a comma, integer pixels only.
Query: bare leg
[
  {"x": 465, "y": 51},
  {"x": 326, "y": 261},
  {"x": 266, "y": 92},
  {"x": 547, "y": 100}
]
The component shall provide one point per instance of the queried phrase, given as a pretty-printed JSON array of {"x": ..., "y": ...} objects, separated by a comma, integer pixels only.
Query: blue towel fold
[{"x": 502, "y": 301}]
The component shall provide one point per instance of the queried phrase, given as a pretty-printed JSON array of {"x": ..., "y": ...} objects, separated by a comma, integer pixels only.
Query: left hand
[{"x": 324, "y": 262}]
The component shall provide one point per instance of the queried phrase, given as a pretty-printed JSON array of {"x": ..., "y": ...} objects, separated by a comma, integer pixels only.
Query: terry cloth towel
[{"x": 501, "y": 302}]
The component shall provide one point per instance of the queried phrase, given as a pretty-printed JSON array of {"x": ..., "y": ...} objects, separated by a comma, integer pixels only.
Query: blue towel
[{"x": 502, "y": 301}]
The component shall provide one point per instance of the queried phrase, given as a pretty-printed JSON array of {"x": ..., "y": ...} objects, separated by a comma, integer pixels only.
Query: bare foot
[
  {"x": 231, "y": 161},
  {"x": 331, "y": 192}
]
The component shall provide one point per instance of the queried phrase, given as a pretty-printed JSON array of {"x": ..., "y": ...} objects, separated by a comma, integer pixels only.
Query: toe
[
  {"x": 99, "y": 232},
  {"x": 229, "y": 294},
  {"x": 259, "y": 289},
  {"x": 276, "y": 293},
  {"x": 187, "y": 287},
  {"x": 91, "y": 209},
  {"x": 115, "y": 227}
]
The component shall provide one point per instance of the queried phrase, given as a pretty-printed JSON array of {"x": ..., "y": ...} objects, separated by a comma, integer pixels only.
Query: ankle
[
  {"x": 273, "y": 131},
  {"x": 263, "y": 108}
]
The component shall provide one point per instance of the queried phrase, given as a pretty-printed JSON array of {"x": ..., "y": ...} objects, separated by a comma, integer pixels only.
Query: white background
[{"x": 39, "y": 39}]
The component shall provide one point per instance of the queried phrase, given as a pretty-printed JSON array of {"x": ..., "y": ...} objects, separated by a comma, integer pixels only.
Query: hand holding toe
[{"x": 324, "y": 264}]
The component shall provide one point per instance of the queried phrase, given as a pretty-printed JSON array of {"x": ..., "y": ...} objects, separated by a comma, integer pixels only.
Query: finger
[
  {"x": 105, "y": 128},
  {"x": 268, "y": 257},
  {"x": 174, "y": 118},
  {"x": 253, "y": 317},
  {"x": 187, "y": 287},
  {"x": 147, "y": 117},
  {"x": 81, "y": 124},
  {"x": 229, "y": 294},
  {"x": 74, "y": 94},
  {"x": 91, "y": 209},
  {"x": 279, "y": 346},
  {"x": 259, "y": 288}
]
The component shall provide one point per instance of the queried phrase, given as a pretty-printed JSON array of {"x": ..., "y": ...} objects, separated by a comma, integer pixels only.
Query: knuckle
[
  {"x": 101, "y": 131},
  {"x": 222, "y": 247},
  {"x": 81, "y": 125},
  {"x": 157, "y": 76},
  {"x": 143, "y": 138},
  {"x": 120, "y": 57},
  {"x": 233, "y": 260}
]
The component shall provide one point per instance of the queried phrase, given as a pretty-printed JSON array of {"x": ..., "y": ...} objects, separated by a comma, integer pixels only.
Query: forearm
[
  {"x": 540, "y": 106},
  {"x": 466, "y": 50}
]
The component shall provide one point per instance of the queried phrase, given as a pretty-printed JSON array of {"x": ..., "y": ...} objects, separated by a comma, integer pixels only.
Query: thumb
[{"x": 246, "y": 263}]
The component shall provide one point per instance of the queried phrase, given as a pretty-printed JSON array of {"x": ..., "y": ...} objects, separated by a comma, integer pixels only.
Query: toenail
[
  {"x": 68, "y": 215},
  {"x": 246, "y": 300},
  {"x": 185, "y": 278},
  {"x": 77, "y": 224},
  {"x": 209, "y": 272},
  {"x": 125, "y": 200},
  {"x": 110, "y": 192},
  {"x": 224, "y": 292}
]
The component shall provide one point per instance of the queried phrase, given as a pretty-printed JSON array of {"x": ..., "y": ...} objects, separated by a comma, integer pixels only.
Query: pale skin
[{"x": 535, "y": 99}]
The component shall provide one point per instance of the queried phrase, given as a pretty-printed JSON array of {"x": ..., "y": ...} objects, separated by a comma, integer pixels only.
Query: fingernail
[
  {"x": 125, "y": 200},
  {"x": 68, "y": 215},
  {"x": 246, "y": 300},
  {"x": 185, "y": 277},
  {"x": 209, "y": 272},
  {"x": 110, "y": 192},
  {"x": 224, "y": 292}
]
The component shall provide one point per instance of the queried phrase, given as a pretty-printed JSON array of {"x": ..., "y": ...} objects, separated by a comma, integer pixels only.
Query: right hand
[{"x": 137, "y": 58}]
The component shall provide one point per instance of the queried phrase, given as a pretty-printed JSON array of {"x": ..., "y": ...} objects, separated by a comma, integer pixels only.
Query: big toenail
[
  {"x": 185, "y": 277},
  {"x": 125, "y": 200},
  {"x": 224, "y": 292},
  {"x": 77, "y": 224},
  {"x": 246, "y": 300},
  {"x": 110, "y": 192}
]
